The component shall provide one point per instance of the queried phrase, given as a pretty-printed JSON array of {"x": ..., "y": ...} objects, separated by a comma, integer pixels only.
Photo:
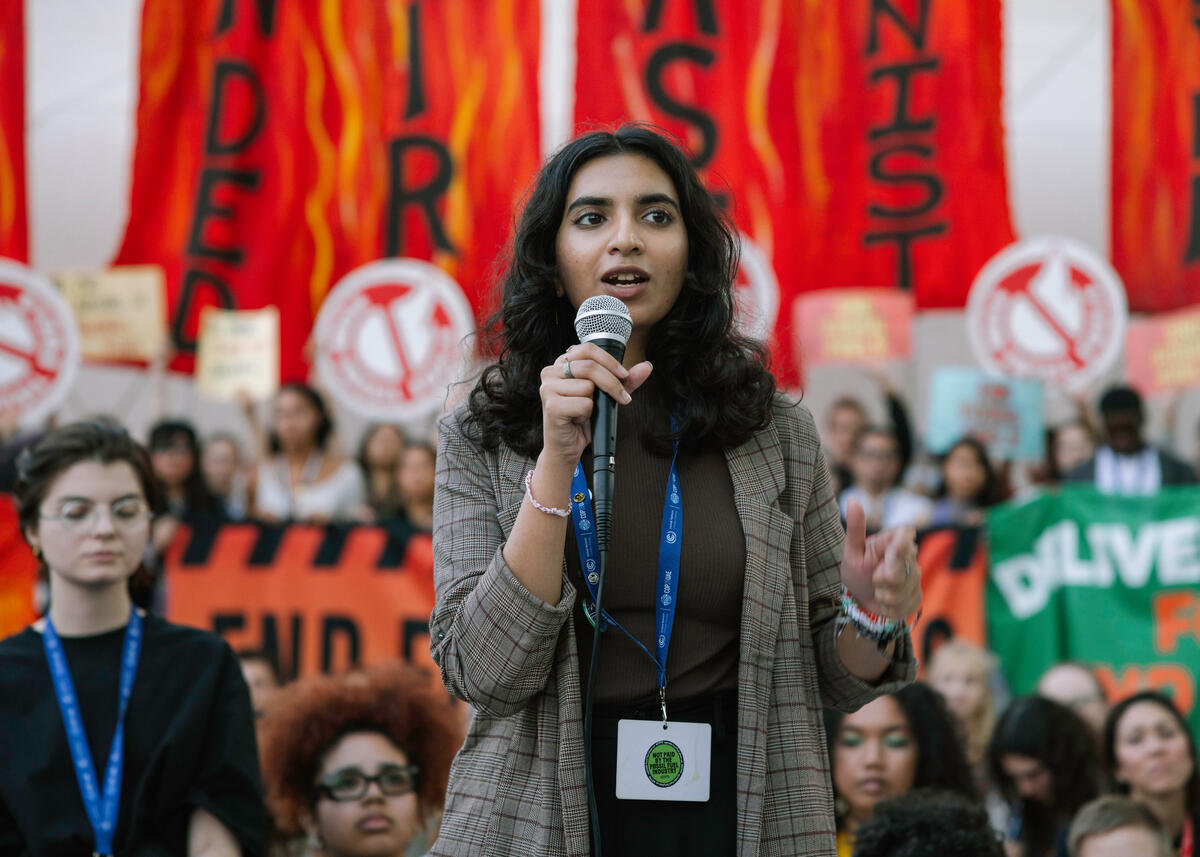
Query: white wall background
[{"x": 82, "y": 99}]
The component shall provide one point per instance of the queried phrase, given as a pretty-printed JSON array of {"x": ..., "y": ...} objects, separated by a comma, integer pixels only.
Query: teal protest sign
[
  {"x": 1104, "y": 579},
  {"x": 1005, "y": 414}
]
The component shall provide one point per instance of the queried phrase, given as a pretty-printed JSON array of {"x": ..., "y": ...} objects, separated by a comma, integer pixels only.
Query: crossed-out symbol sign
[
  {"x": 390, "y": 338},
  {"x": 1047, "y": 308},
  {"x": 39, "y": 343},
  {"x": 756, "y": 292}
]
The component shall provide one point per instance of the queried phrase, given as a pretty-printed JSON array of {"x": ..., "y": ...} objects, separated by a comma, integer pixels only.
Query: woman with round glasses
[
  {"x": 119, "y": 732},
  {"x": 359, "y": 763}
]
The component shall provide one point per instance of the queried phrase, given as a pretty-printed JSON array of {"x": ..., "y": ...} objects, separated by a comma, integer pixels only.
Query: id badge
[{"x": 654, "y": 763}]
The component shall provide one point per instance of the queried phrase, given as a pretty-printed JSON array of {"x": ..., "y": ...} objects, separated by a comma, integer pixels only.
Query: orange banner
[
  {"x": 281, "y": 145},
  {"x": 319, "y": 599},
  {"x": 954, "y": 569},
  {"x": 14, "y": 225},
  {"x": 1156, "y": 152},
  {"x": 1163, "y": 352},
  {"x": 18, "y": 573},
  {"x": 900, "y": 121},
  {"x": 853, "y": 327}
]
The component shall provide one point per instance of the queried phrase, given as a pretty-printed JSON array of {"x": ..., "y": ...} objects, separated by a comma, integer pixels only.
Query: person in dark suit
[{"x": 1126, "y": 464}]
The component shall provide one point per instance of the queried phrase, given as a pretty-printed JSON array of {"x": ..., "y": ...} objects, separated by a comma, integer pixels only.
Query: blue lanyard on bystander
[{"x": 102, "y": 811}]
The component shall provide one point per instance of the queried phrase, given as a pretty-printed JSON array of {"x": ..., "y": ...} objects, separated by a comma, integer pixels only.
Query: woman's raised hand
[{"x": 568, "y": 385}]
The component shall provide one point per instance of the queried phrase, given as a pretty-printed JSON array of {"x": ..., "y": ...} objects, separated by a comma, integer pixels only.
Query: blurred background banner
[
  {"x": 14, "y": 225},
  {"x": 1066, "y": 564},
  {"x": 903, "y": 167},
  {"x": 1156, "y": 152},
  {"x": 281, "y": 145},
  {"x": 318, "y": 599},
  {"x": 855, "y": 144}
]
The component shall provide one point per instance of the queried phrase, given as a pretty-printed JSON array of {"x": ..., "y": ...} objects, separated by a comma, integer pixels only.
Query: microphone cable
[{"x": 593, "y": 812}]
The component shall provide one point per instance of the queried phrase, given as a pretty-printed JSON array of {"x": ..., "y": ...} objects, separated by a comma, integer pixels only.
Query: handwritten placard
[
  {"x": 1006, "y": 415},
  {"x": 238, "y": 352},
  {"x": 856, "y": 327},
  {"x": 1162, "y": 352},
  {"x": 121, "y": 312}
]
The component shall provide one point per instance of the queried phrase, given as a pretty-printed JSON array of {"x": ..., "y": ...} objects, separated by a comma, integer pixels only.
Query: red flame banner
[
  {"x": 280, "y": 145},
  {"x": 14, "y": 226},
  {"x": 858, "y": 144},
  {"x": 1156, "y": 152}
]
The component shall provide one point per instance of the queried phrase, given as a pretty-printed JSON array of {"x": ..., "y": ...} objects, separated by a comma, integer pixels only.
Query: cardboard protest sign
[
  {"x": 238, "y": 353},
  {"x": 121, "y": 312},
  {"x": 1006, "y": 415},
  {"x": 1163, "y": 352},
  {"x": 865, "y": 327}
]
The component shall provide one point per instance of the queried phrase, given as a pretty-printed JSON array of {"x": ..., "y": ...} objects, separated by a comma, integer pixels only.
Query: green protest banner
[{"x": 1099, "y": 578}]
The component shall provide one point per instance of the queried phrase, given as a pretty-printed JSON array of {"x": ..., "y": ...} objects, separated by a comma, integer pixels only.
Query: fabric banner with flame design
[
  {"x": 905, "y": 179},
  {"x": 858, "y": 144},
  {"x": 14, "y": 225},
  {"x": 280, "y": 145},
  {"x": 1156, "y": 152}
]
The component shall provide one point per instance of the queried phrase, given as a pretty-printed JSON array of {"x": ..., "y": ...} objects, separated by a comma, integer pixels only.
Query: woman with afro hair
[{"x": 358, "y": 763}]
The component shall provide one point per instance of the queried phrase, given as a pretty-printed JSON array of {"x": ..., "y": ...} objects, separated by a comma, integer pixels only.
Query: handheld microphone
[{"x": 604, "y": 320}]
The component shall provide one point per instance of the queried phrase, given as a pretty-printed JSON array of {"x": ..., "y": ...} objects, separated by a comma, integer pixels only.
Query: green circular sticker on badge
[{"x": 664, "y": 764}]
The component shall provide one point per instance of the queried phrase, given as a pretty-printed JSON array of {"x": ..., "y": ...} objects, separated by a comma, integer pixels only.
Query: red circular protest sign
[
  {"x": 39, "y": 343},
  {"x": 756, "y": 292},
  {"x": 390, "y": 339},
  {"x": 1047, "y": 308}
]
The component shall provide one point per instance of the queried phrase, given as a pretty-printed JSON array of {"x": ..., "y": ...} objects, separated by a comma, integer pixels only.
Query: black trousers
[{"x": 632, "y": 828}]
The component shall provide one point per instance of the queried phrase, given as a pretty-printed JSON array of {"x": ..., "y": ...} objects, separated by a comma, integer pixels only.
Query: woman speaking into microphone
[{"x": 734, "y": 606}]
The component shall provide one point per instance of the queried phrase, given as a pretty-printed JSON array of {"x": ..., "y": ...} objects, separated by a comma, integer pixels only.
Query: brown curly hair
[{"x": 308, "y": 717}]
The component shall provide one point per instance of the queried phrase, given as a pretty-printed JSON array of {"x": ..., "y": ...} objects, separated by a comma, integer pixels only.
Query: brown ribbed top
[{"x": 703, "y": 656}]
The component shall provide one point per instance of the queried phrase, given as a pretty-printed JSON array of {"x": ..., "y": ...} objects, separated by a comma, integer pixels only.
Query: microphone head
[{"x": 603, "y": 317}]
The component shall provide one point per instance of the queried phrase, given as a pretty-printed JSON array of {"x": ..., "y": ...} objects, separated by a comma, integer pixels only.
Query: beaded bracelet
[
  {"x": 870, "y": 626},
  {"x": 549, "y": 510}
]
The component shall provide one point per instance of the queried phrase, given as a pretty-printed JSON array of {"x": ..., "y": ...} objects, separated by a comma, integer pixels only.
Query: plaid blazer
[{"x": 517, "y": 784}]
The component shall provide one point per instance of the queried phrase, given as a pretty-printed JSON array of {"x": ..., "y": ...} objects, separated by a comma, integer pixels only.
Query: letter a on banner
[{"x": 903, "y": 145}]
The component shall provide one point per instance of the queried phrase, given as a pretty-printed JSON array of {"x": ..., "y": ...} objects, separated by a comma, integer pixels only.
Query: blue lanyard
[
  {"x": 669, "y": 552},
  {"x": 102, "y": 817}
]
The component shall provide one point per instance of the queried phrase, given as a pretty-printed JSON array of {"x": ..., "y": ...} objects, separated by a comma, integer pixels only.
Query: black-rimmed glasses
[{"x": 352, "y": 784}]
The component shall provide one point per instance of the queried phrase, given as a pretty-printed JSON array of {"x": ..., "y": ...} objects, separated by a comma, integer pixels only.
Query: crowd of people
[{"x": 792, "y": 637}]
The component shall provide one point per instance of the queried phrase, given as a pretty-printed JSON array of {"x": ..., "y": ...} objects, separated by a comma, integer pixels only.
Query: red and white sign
[
  {"x": 391, "y": 337},
  {"x": 1047, "y": 308},
  {"x": 39, "y": 344},
  {"x": 756, "y": 293}
]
